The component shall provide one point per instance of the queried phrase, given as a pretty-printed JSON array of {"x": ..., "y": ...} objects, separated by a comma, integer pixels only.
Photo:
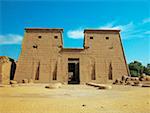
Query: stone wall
[
  {"x": 40, "y": 48},
  {"x": 5, "y": 68},
  {"x": 105, "y": 47}
]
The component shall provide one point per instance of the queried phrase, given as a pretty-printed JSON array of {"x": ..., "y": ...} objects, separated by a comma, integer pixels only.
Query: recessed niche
[
  {"x": 35, "y": 46},
  {"x": 107, "y": 38},
  {"x": 55, "y": 37},
  {"x": 91, "y": 37},
  {"x": 40, "y": 37}
]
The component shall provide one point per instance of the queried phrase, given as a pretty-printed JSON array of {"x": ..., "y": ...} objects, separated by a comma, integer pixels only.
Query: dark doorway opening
[
  {"x": 73, "y": 71},
  {"x": 13, "y": 69}
]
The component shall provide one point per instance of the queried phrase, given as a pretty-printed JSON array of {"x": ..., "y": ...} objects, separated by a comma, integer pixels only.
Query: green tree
[
  {"x": 147, "y": 69},
  {"x": 136, "y": 68},
  {"x": 148, "y": 66}
]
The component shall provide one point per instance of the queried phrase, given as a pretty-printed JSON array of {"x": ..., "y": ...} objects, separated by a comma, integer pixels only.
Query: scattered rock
[
  {"x": 147, "y": 78},
  {"x": 124, "y": 78},
  {"x": 25, "y": 81},
  {"x": 145, "y": 85},
  {"x": 100, "y": 86},
  {"x": 116, "y": 81},
  {"x": 129, "y": 83},
  {"x": 132, "y": 83},
  {"x": 142, "y": 79},
  {"x": 136, "y": 83},
  {"x": 128, "y": 79},
  {"x": 13, "y": 82},
  {"x": 134, "y": 78},
  {"x": 140, "y": 85},
  {"x": 105, "y": 87},
  {"x": 121, "y": 82},
  {"x": 54, "y": 86},
  {"x": 51, "y": 86}
]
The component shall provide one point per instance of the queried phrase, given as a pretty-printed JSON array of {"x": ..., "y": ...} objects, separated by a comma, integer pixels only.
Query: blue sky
[{"x": 132, "y": 17}]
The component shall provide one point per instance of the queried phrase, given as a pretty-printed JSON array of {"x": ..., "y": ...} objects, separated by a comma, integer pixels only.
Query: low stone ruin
[
  {"x": 100, "y": 86},
  {"x": 25, "y": 81},
  {"x": 142, "y": 81},
  {"x": 5, "y": 66},
  {"x": 14, "y": 83},
  {"x": 54, "y": 86}
]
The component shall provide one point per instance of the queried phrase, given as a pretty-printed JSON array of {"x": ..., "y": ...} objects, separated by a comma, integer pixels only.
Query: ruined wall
[
  {"x": 106, "y": 50},
  {"x": 39, "y": 55},
  {"x": 5, "y": 67}
]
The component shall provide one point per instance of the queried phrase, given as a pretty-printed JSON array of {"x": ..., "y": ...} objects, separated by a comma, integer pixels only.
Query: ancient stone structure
[
  {"x": 5, "y": 70},
  {"x": 44, "y": 59}
]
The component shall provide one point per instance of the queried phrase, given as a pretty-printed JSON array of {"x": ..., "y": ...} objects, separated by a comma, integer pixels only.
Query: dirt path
[{"x": 74, "y": 99}]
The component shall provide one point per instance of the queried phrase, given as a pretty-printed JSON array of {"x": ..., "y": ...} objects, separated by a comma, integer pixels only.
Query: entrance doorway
[{"x": 73, "y": 71}]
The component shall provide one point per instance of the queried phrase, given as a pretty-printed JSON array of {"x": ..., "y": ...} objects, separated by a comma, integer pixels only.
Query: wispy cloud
[
  {"x": 146, "y": 20},
  {"x": 128, "y": 31},
  {"x": 125, "y": 27},
  {"x": 10, "y": 39},
  {"x": 76, "y": 34}
]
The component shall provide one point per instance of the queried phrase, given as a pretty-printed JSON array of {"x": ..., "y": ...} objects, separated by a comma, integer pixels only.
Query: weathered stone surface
[
  {"x": 105, "y": 87},
  {"x": 30, "y": 80},
  {"x": 124, "y": 78},
  {"x": 129, "y": 83},
  {"x": 136, "y": 83},
  {"x": 25, "y": 81},
  {"x": 144, "y": 78},
  {"x": 13, "y": 82},
  {"x": 118, "y": 82},
  {"x": 147, "y": 78},
  {"x": 54, "y": 86},
  {"x": 145, "y": 85},
  {"x": 100, "y": 86},
  {"x": 5, "y": 67}
]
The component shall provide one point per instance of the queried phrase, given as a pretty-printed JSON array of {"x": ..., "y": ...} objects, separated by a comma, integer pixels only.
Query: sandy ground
[{"x": 74, "y": 99}]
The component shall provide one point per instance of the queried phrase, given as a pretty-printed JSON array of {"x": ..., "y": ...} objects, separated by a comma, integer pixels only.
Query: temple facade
[{"x": 44, "y": 59}]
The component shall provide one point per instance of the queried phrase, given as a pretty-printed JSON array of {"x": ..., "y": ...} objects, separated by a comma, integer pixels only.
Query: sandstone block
[
  {"x": 13, "y": 82},
  {"x": 54, "y": 86},
  {"x": 100, "y": 86},
  {"x": 25, "y": 81}
]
